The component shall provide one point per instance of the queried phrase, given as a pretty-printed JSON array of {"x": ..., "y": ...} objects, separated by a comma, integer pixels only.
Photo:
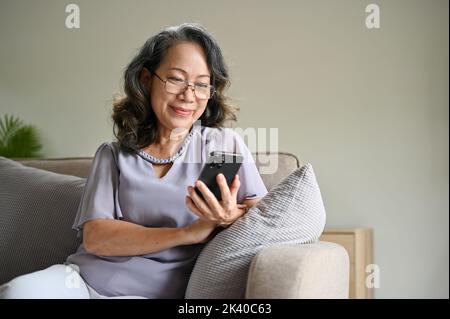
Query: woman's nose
[{"x": 188, "y": 95}]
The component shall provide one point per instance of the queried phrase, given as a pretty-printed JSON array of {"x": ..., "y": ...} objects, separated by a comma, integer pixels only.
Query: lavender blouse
[{"x": 122, "y": 186}]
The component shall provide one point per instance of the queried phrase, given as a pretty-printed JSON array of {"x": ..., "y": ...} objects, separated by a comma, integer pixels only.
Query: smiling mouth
[{"x": 180, "y": 111}]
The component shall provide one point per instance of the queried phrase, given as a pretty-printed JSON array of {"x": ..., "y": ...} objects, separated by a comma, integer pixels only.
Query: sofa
[{"x": 29, "y": 242}]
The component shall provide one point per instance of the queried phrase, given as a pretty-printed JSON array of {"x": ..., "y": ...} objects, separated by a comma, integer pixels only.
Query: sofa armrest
[{"x": 319, "y": 270}]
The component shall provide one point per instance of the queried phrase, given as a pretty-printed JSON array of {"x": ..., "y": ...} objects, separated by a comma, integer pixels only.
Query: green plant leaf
[
  {"x": 17, "y": 139},
  {"x": 8, "y": 127}
]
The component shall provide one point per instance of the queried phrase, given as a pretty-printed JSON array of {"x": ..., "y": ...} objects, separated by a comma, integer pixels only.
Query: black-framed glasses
[{"x": 174, "y": 85}]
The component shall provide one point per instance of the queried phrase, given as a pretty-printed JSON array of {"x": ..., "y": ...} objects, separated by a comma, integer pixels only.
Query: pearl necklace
[{"x": 155, "y": 160}]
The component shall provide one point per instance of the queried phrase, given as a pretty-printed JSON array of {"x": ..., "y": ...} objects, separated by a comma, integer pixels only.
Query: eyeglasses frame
[{"x": 188, "y": 84}]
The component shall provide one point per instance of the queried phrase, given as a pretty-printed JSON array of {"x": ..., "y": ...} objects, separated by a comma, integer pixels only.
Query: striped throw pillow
[{"x": 291, "y": 213}]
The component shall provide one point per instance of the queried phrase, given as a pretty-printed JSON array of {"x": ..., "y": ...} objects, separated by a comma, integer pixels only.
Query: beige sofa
[{"x": 319, "y": 270}]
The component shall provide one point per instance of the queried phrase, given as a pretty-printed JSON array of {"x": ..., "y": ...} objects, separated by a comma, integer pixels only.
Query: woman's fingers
[
  {"x": 224, "y": 190},
  {"x": 209, "y": 197},
  {"x": 190, "y": 204},
  {"x": 194, "y": 209},
  {"x": 209, "y": 207},
  {"x": 235, "y": 186},
  {"x": 199, "y": 202}
]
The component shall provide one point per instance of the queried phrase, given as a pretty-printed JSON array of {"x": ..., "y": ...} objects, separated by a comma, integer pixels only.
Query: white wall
[{"x": 367, "y": 108}]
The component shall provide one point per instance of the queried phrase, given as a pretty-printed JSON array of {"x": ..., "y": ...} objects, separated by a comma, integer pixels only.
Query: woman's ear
[{"x": 145, "y": 77}]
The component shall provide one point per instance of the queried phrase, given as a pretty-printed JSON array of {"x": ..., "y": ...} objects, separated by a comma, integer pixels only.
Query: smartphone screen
[{"x": 219, "y": 162}]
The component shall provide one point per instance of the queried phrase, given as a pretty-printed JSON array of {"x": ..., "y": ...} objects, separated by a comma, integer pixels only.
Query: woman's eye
[
  {"x": 202, "y": 85},
  {"x": 177, "y": 80}
]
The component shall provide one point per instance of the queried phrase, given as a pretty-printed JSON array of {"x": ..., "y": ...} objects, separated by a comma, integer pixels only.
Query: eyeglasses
[{"x": 175, "y": 85}]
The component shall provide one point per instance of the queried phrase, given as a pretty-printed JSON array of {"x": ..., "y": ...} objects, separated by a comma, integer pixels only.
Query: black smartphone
[{"x": 219, "y": 162}]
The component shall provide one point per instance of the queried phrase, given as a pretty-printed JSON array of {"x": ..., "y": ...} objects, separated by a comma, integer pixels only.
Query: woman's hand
[
  {"x": 200, "y": 231},
  {"x": 222, "y": 213}
]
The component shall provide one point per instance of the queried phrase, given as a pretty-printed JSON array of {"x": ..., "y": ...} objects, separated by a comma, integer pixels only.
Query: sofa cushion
[
  {"x": 36, "y": 214},
  {"x": 291, "y": 213}
]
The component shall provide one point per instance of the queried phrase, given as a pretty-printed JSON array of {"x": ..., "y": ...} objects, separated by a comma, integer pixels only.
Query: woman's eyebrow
[{"x": 181, "y": 70}]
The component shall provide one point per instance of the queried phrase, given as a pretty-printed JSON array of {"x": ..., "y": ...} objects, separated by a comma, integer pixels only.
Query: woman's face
[{"x": 183, "y": 61}]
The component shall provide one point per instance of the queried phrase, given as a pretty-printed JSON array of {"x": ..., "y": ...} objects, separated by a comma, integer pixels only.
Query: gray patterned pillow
[
  {"x": 37, "y": 209},
  {"x": 292, "y": 212}
]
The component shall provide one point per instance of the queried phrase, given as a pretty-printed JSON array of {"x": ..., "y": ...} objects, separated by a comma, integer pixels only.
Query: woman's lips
[{"x": 181, "y": 111}]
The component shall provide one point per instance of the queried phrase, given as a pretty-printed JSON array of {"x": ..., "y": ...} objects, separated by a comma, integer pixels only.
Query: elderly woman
[{"x": 140, "y": 218}]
